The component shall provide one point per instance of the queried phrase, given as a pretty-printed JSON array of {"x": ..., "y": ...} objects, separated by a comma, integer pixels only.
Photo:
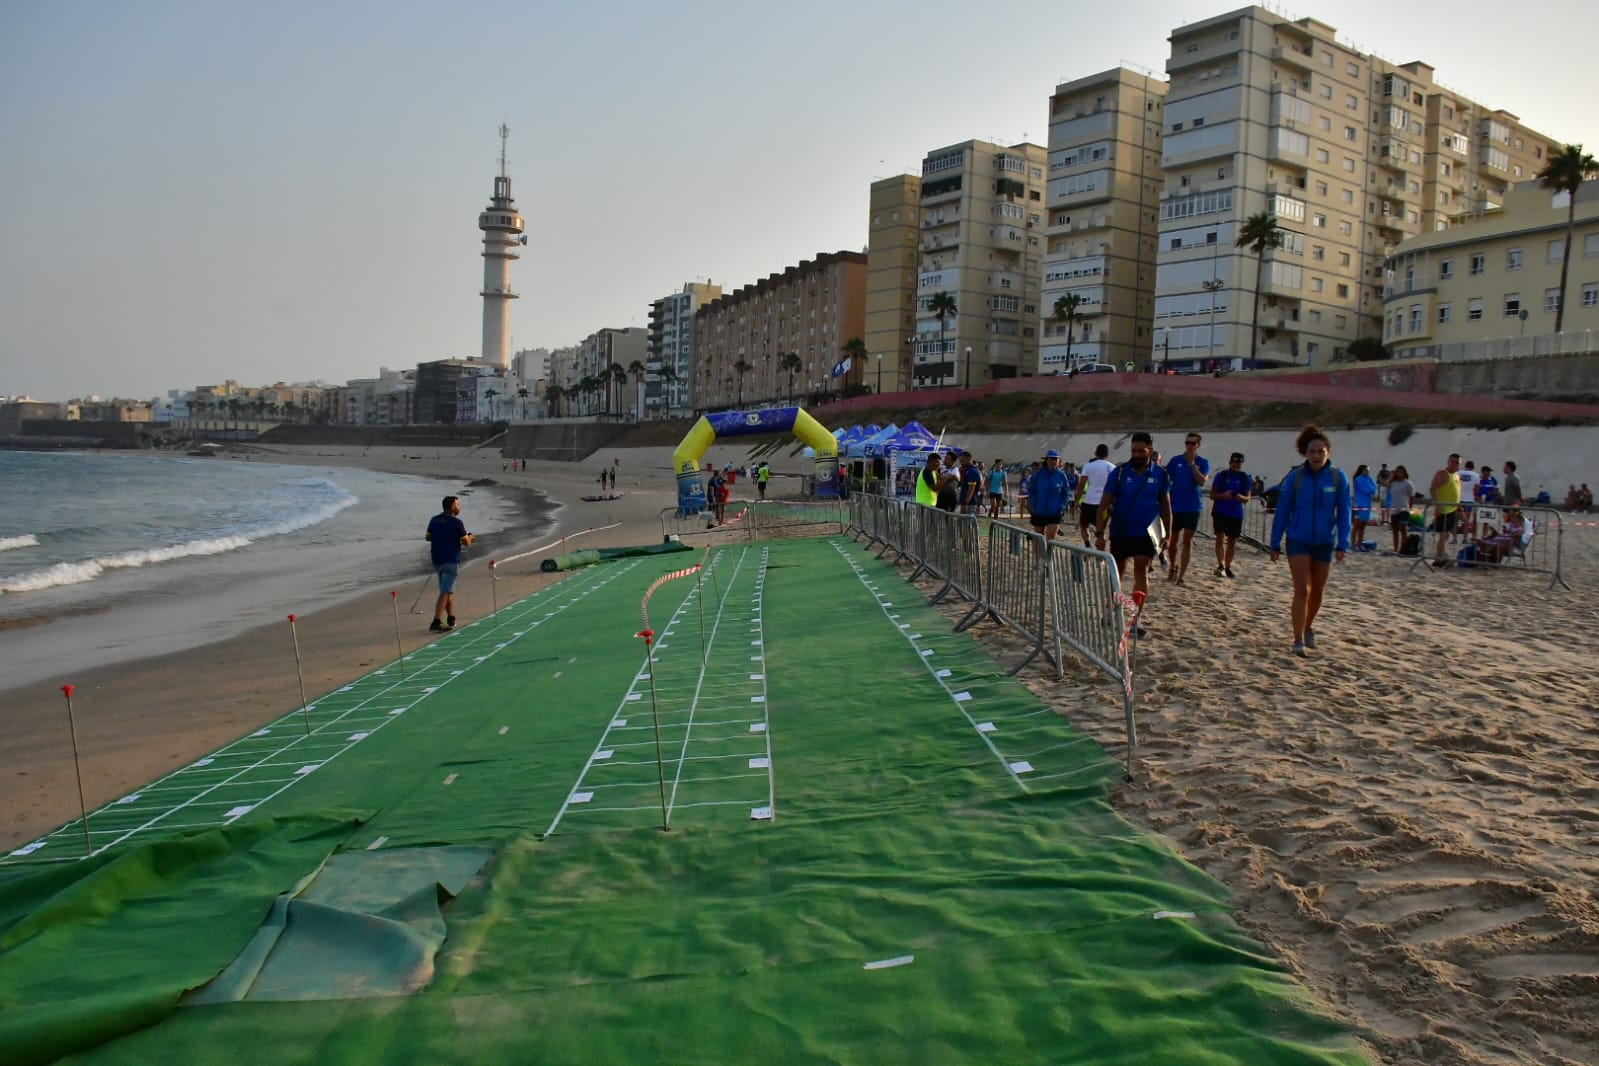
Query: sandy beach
[{"x": 1407, "y": 819}]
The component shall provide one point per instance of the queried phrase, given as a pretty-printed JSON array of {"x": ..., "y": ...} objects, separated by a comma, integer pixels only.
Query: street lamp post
[
  {"x": 1213, "y": 286},
  {"x": 968, "y": 366},
  {"x": 879, "y": 373}
]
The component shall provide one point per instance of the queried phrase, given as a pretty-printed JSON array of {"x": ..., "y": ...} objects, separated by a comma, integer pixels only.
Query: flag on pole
[{"x": 842, "y": 367}]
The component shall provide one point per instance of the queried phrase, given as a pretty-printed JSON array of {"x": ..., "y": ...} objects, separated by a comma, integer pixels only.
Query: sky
[{"x": 197, "y": 191}]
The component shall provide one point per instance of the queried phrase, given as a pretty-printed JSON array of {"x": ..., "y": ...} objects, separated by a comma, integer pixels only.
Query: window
[
  {"x": 1590, "y": 245},
  {"x": 1315, "y": 284},
  {"x": 1326, "y": 61},
  {"x": 1340, "y": 322},
  {"x": 1590, "y": 294},
  {"x": 1322, "y": 156},
  {"x": 1346, "y": 227},
  {"x": 1557, "y": 250},
  {"x": 1415, "y": 318},
  {"x": 1326, "y": 91},
  {"x": 1318, "y": 251},
  {"x": 1315, "y": 318},
  {"x": 1512, "y": 304},
  {"x": 1343, "y": 290},
  {"x": 1479, "y": 263},
  {"x": 1474, "y": 309},
  {"x": 1352, "y": 102},
  {"x": 1446, "y": 269},
  {"x": 1513, "y": 259},
  {"x": 1551, "y": 299},
  {"x": 1353, "y": 69},
  {"x": 1349, "y": 133},
  {"x": 1319, "y": 221},
  {"x": 1349, "y": 196},
  {"x": 1349, "y": 165},
  {"x": 1443, "y": 314},
  {"x": 1321, "y": 188},
  {"x": 1343, "y": 258}
]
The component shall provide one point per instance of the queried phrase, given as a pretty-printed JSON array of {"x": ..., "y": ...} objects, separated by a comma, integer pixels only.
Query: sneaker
[
  {"x": 1222, "y": 571},
  {"x": 1299, "y": 649},
  {"x": 1230, "y": 572},
  {"x": 436, "y": 627},
  {"x": 1310, "y": 638},
  {"x": 449, "y": 621}
]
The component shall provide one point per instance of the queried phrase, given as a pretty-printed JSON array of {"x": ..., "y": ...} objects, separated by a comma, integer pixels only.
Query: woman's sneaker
[
  {"x": 1299, "y": 649},
  {"x": 1310, "y": 637},
  {"x": 436, "y": 627}
]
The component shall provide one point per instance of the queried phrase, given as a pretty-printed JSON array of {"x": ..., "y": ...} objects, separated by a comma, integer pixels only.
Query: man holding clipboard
[{"x": 1137, "y": 509}]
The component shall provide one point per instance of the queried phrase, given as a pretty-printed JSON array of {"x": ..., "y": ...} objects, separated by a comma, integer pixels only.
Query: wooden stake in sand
[
  {"x": 394, "y": 598},
  {"x": 83, "y": 808},
  {"x": 300, "y": 673}
]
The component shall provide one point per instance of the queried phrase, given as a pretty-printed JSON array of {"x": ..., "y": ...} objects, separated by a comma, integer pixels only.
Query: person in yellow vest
[
  {"x": 1446, "y": 507},
  {"x": 763, "y": 474},
  {"x": 928, "y": 480}
]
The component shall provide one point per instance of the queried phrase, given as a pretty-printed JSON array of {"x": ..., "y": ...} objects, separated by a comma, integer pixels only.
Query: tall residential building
[
  {"x": 811, "y": 310},
  {"x": 1100, "y": 230},
  {"x": 892, "y": 259},
  {"x": 1350, "y": 153},
  {"x": 593, "y": 357},
  {"x": 982, "y": 217},
  {"x": 671, "y": 348},
  {"x": 437, "y": 388},
  {"x": 1497, "y": 279}
]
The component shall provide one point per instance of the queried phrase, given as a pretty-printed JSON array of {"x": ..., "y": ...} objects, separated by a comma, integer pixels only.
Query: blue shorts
[
  {"x": 1321, "y": 553},
  {"x": 1363, "y": 514},
  {"x": 446, "y": 572}
]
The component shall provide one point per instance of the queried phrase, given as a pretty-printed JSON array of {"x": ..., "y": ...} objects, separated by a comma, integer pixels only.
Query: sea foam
[
  {"x": 79, "y": 571},
  {"x": 27, "y": 540}
]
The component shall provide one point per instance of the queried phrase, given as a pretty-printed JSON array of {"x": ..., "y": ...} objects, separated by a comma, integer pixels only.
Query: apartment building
[
  {"x": 1100, "y": 224},
  {"x": 593, "y": 356},
  {"x": 982, "y": 224},
  {"x": 893, "y": 257},
  {"x": 671, "y": 348},
  {"x": 1351, "y": 154},
  {"x": 811, "y": 310},
  {"x": 1498, "y": 277}
]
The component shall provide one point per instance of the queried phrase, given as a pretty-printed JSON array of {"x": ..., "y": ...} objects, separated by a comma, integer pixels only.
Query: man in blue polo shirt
[
  {"x": 1188, "y": 473},
  {"x": 1229, "y": 491},
  {"x": 446, "y": 536},
  {"x": 1138, "y": 492}
]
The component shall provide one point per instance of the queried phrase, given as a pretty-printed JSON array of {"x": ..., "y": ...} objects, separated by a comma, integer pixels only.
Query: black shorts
[
  {"x": 1089, "y": 515},
  {"x": 1181, "y": 520},
  {"x": 1039, "y": 521},
  {"x": 1124, "y": 548},
  {"x": 1400, "y": 520},
  {"x": 1446, "y": 523},
  {"x": 1227, "y": 525}
]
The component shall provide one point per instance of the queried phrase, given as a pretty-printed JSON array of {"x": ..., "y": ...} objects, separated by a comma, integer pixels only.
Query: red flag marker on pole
[
  {"x": 83, "y": 808},
  {"x": 394, "y": 598},
  {"x": 300, "y": 672}
]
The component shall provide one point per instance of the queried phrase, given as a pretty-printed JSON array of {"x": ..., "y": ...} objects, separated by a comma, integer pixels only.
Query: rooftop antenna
[{"x": 505, "y": 132}]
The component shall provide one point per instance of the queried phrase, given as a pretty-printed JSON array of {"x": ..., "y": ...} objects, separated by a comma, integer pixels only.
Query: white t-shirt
[
  {"x": 1097, "y": 473},
  {"x": 1468, "y": 485}
]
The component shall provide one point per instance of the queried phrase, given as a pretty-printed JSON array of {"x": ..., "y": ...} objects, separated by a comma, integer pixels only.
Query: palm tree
[
  {"x": 552, "y": 398},
  {"x": 743, "y": 368},
  {"x": 616, "y": 375},
  {"x": 1565, "y": 172},
  {"x": 638, "y": 370},
  {"x": 790, "y": 362},
  {"x": 667, "y": 376},
  {"x": 943, "y": 306},
  {"x": 855, "y": 352},
  {"x": 1066, "y": 311},
  {"x": 1259, "y": 233},
  {"x": 489, "y": 395},
  {"x": 522, "y": 394},
  {"x": 291, "y": 410}
]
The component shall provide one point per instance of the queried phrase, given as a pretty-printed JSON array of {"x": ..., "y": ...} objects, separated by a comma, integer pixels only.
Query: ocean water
[{"x": 132, "y": 555}]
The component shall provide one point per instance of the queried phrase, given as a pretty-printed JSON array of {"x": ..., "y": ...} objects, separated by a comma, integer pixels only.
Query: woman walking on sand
[{"x": 1314, "y": 511}]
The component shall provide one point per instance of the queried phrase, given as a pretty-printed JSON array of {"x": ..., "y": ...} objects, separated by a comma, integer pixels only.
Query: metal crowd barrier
[
  {"x": 675, "y": 524},
  {"x": 772, "y": 517},
  {"x": 1015, "y": 590},
  {"x": 1088, "y": 614},
  {"x": 949, "y": 551},
  {"x": 1537, "y": 551}
]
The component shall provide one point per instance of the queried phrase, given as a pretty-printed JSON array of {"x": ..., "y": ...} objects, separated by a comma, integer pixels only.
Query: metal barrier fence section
[
  {"x": 676, "y": 525},
  {"x": 796, "y": 518},
  {"x": 1088, "y": 614},
  {"x": 950, "y": 551},
  {"x": 1492, "y": 536},
  {"x": 1016, "y": 589}
]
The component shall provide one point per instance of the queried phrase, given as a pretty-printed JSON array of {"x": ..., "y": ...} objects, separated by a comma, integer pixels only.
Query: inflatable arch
[{"x": 686, "y": 459}]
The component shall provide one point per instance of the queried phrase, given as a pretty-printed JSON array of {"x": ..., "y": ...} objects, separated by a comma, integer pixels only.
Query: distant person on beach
[
  {"x": 1138, "y": 492},
  {"x": 1510, "y": 488},
  {"x": 1049, "y": 496},
  {"x": 1313, "y": 510},
  {"x": 446, "y": 536},
  {"x": 971, "y": 484},
  {"x": 1400, "y": 490},
  {"x": 1365, "y": 491},
  {"x": 1188, "y": 473},
  {"x": 1445, "y": 491},
  {"x": 717, "y": 491},
  {"x": 763, "y": 474},
  {"x": 1229, "y": 494},
  {"x": 996, "y": 488}
]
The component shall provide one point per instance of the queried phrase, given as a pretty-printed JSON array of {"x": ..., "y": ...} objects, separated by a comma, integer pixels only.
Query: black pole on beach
[
  {"x": 83, "y": 808},
  {"x": 494, "y": 586},
  {"x": 699, "y": 589},
  {"x": 394, "y": 598},
  {"x": 299, "y": 672},
  {"x": 655, "y": 713}
]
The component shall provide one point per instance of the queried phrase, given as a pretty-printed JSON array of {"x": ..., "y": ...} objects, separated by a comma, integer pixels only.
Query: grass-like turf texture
[{"x": 881, "y": 849}]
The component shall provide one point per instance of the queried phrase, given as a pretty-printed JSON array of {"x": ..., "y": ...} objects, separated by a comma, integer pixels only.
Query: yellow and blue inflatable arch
[{"x": 723, "y": 424}]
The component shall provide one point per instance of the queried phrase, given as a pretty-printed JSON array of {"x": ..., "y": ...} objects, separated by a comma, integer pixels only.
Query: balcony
[
  {"x": 1290, "y": 56},
  {"x": 1202, "y": 53}
]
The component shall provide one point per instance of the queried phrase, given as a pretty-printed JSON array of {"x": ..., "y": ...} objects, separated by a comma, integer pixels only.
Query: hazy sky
[{"x": 193, "y": 191}]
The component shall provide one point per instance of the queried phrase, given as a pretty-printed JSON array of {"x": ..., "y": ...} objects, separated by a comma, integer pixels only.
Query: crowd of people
[{"x": 1145, "y": 511}]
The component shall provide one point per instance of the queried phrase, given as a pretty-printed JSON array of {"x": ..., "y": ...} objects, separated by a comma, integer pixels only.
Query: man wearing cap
[
  {"x": 1048, "y": 496},
  {"x": 1138, "y": 492},
  {"x": 1188, "y": 473},
  {"x": 1229, "y": 492}
]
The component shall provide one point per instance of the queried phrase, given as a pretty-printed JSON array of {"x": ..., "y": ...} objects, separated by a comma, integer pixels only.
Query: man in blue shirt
[
  {"x": 971, "y": 484},
  {"x": 1188, "y": 473},
  {"x": 1229, "y": 492},
  {"x": 1138, "y": 492},
  {"x": 446, "y": 536},
  {"x": 996, "y": 488}
]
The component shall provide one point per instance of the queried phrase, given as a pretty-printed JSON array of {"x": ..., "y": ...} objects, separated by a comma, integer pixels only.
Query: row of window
[{"x": 1474, "y": 309}]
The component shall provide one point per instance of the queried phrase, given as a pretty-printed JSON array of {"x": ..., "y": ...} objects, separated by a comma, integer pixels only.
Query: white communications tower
[{"x": 502, "y": 233}]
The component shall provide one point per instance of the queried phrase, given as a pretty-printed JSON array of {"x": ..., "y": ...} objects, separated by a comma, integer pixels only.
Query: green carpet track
[{"x": 880, "y": 850}]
